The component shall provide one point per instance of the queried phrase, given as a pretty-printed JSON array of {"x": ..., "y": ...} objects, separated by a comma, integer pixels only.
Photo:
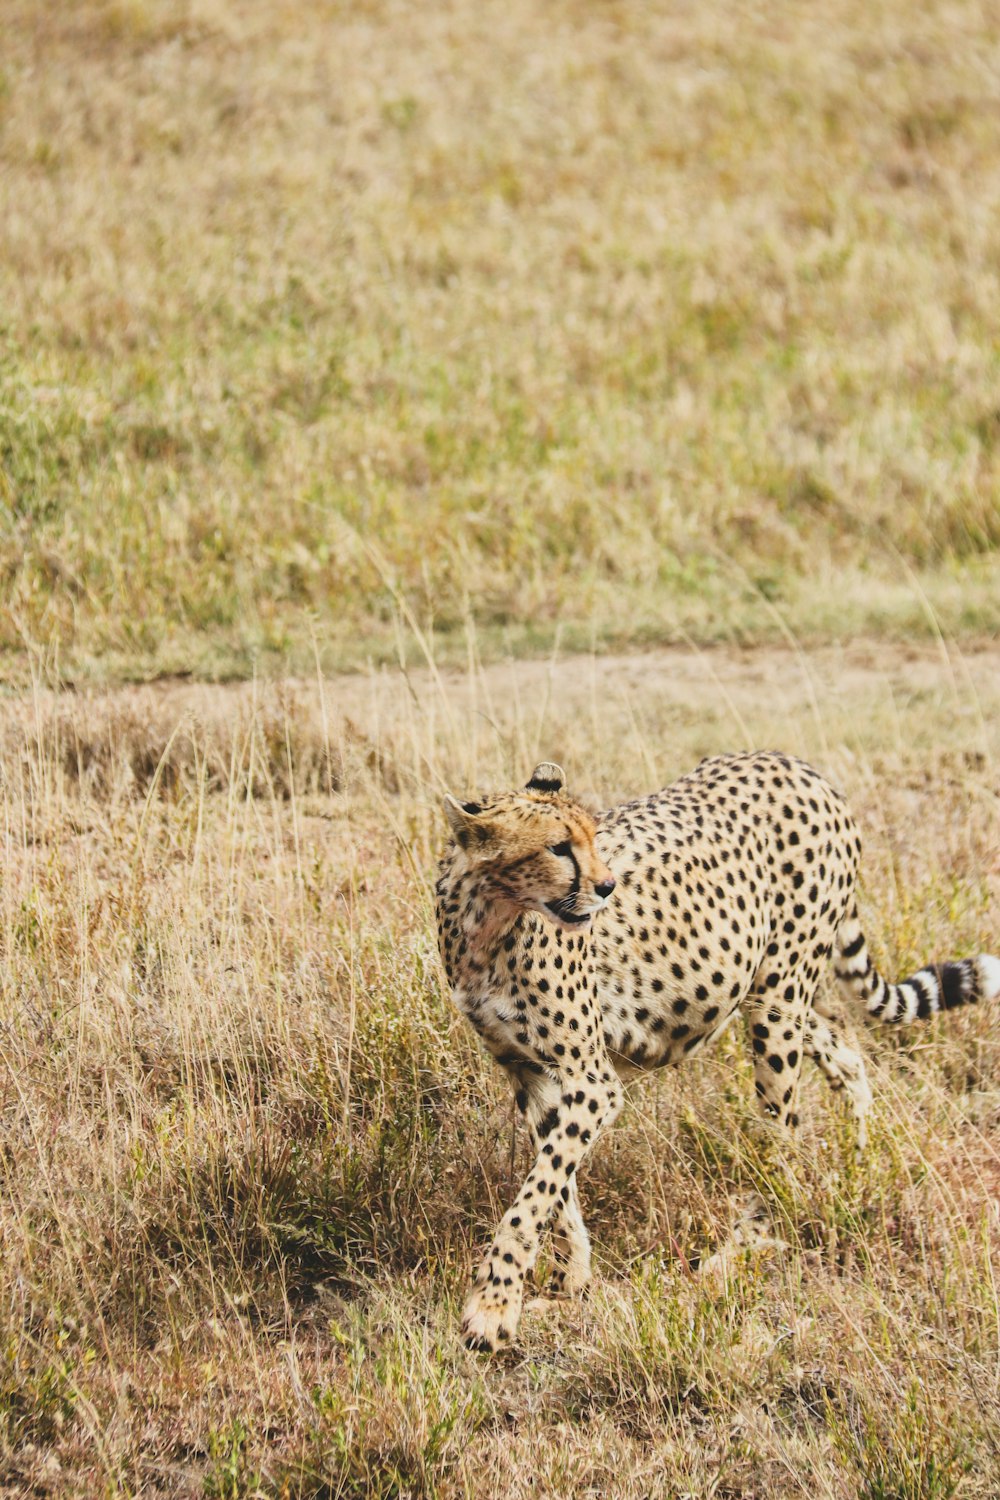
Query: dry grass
[
  {"x": 614, "y": 321},
  {"x": 248, "y": 1151},
  {"x": 594, "y": 323}
]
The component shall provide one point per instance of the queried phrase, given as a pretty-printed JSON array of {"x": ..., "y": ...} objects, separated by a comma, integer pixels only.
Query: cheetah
[{"x": 586, "y": 951}]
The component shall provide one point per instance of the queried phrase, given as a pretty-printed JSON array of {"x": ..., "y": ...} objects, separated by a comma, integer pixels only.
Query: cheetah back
[{"x": 730, "y": 881}]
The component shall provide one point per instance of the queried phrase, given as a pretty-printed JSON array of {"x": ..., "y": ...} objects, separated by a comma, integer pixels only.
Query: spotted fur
[{"x": 585, "y": 951}]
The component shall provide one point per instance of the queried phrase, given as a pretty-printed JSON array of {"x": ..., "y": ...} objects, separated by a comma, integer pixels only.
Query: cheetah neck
[
  {"x": 488, "y": 942},
  {"x": 474, "y": 921}
]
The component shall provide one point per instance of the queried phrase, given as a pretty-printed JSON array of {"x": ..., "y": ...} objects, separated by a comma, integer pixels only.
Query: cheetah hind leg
[
  {"x": 842, "y": 1066},
  {"x": 777, "y": 1029}
]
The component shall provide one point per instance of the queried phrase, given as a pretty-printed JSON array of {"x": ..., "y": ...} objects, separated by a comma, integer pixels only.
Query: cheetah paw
[
  {"x": 486, "y": 1324},
  {"x": 567, "y": 1280}
]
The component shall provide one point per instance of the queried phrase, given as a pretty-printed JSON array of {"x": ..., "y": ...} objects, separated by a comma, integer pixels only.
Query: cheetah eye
[{"x": 563, "y": 850}]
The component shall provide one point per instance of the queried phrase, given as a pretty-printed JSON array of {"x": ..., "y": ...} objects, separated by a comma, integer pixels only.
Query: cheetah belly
[
  {"x": 654, "y": 1016},
  {"x": 643, "y": 1032}
]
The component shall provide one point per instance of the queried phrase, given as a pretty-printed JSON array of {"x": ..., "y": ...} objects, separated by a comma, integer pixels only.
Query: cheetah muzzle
[{"x": 577, "y": 947}]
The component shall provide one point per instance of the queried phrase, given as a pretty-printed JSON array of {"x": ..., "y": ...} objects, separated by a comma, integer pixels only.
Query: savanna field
[{"x": 392, "y": 396}]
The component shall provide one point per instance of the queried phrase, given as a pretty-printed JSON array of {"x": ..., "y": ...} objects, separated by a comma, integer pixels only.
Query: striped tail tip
[{"x": 935, "y": 988}]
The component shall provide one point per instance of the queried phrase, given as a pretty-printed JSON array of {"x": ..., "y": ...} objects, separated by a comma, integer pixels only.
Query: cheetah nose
[{"x": 603, "y": 888}]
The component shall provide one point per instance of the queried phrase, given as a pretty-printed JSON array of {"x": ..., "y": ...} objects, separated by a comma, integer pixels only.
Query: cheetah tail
[{"x": 936, "y": 987}]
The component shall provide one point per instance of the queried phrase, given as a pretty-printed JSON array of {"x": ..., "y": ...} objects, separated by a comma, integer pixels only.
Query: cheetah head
[{"x": 535, "y": 848}]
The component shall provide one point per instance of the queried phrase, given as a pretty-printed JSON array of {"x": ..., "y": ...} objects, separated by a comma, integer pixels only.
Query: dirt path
[
  {"x": 619, "y": 722},
  {"x": 687, "y": 675}
]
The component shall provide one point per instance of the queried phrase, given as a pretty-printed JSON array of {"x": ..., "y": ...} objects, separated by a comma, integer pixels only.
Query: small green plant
[
  {"x": 901, "y": 1448},
  {"x": 230, "y": 1476},
  {"x": 37, "y": 1391},
  {"x": 399, "y": 1422}
]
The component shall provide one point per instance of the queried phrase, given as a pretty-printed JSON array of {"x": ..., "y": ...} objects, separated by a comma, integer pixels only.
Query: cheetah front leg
[
  {"x": 587, "y": 1103},
  {"x": 571, "y": 1248},
  {"x": 539, "y": 1098}
]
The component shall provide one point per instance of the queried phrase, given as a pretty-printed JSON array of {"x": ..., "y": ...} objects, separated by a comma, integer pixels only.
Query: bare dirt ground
[{"x": 780, "y": 696}]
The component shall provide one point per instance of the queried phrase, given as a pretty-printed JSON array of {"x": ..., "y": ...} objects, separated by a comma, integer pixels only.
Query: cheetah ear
[
  {"x": 467, "y": 821},
  {"x": 547, "y": 777}
]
